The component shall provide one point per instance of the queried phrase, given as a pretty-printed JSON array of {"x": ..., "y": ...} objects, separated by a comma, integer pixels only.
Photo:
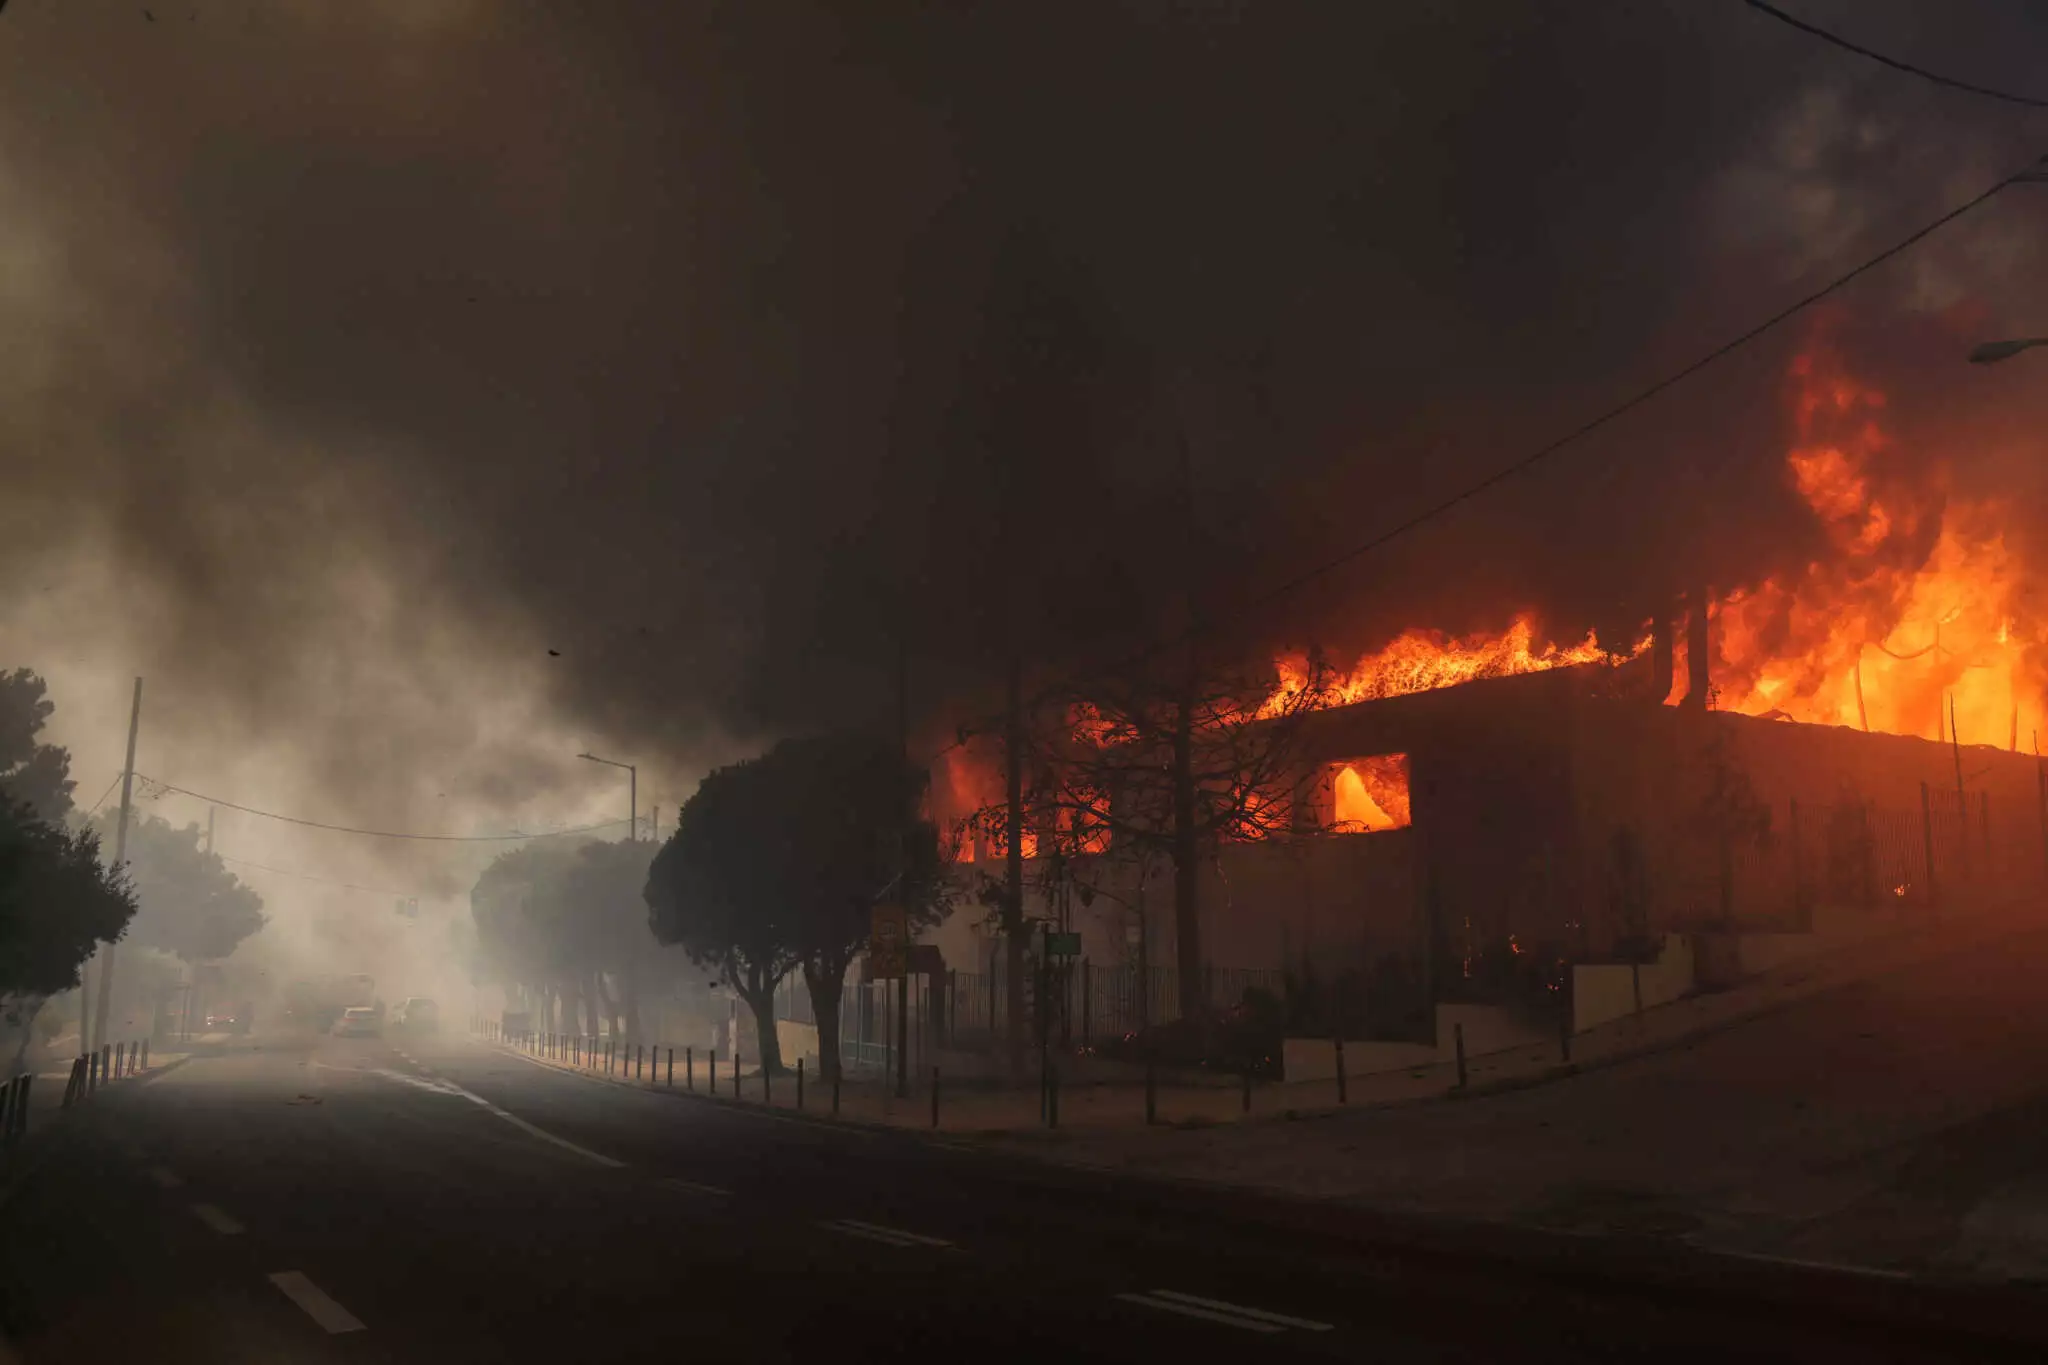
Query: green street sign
[{"x": 1063, "y": 945}]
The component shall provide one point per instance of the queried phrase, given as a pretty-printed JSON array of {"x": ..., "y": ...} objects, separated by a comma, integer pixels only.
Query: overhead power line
[
  {"x": 309, "y": 877},
  {"x": 2037, "y": 172},
  {"x": 2026, "y": 101},
  {"x": 375, "y": 833},
  {"x": 103, "y": 797}
]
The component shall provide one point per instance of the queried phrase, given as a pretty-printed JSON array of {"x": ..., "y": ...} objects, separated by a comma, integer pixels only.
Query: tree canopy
[
  {"x": 57, "y": 901},
  {"x": 32, "y": 773},
  {"x": 779, "y": 861},
  {"x": 566, "y": 923},
  {"x": 188, "y": 903}
]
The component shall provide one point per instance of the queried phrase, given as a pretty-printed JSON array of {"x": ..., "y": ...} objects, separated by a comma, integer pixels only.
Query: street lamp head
[{"x": 1991, "y": 352}]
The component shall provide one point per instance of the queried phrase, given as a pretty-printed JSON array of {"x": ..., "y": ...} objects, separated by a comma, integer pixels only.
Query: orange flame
[
  {"x": 1424, "y": 660},
  {"x": 1915, "y": 610}
]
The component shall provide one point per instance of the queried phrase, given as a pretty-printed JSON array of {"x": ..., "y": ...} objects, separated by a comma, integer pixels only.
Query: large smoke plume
[{"x": 419, "y": 392}]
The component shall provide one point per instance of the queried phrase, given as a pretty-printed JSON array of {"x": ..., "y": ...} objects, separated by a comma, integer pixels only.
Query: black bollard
[
  {"x": 1564, "y": 1033},
  {"x": 766, "y": 1096},
  {"x": 1151, "y": 1094},
  {"x": 1052, "y": 1096},
  {"x": 689, "y": 1069},
  {"x": 935, "y": 1097},
  {"x": 735, "y": 1073},
  {"x": 1247, "y": 1088},
  {"x": 145, "y": 1054},
  {"x": 1458, "y": 1038},
  {"x": 671, "y": 1068},
  {"x": 835, "y": 1092},
  {"x": 799, "y": 1084}
]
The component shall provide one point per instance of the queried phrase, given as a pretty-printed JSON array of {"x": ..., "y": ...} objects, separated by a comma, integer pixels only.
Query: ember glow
[{"x": 1917, "y": 607}]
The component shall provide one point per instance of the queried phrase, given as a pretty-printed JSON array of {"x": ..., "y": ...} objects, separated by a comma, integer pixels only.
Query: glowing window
[{"x": 1369, "y": 794}]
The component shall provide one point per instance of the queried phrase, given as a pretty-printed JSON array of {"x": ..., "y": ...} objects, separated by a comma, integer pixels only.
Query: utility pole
[
  {"x": 1013, "y": 872},
  {"x": 905, "y": 815},
  {"x": 632, "y": 793},
  {"x": 103, "y": 1006}
]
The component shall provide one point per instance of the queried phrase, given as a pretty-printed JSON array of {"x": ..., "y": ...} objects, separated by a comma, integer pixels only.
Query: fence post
[
  {"x": 7, "y": 1106},
  {"x": 1151, "y": 1092},
  {"x": 1052, "y": 1094},
  {"x": 1342, "y": 1096},
  {"x": 1798, "y": 871},
  {"x": 735, "y": 1073},
  {"x": 799, "y": 1084},
  {"x": 1984, "y": 829},
  {"x": 1564, "y": 1031},
  {"x": 952, "y": 1007},
  {"x": 28, "y": 1079},
  {"x": 1247, "y": 1087},
  {"x": 689, "y": 1069},
  {"x": 767, "y": 1096},
  {"x": 2041, "y": 796},
  {"x": 1087, "y": 1000},
  {"x": 1458, "y": 1040},
  {"x": 1927, "y": 840},
  {"x": 145, "y": 1054},
  {"x": 835, "y": 1085},
  {"x": 671, "y": 1068},
  {"x": 711, "y": 1059}
]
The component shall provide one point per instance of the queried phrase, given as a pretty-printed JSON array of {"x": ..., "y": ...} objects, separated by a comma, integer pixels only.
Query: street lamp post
[{"x": 633, "y": 794}]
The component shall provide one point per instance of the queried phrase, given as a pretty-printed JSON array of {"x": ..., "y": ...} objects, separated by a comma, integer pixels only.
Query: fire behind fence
[
  {"x": 1773, "y": 875},
  {"x": 1086, "y": 1004}
]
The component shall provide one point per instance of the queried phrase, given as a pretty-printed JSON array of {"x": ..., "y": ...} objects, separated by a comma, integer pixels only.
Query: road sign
[
  {"x": 1062, "y": 945},
  {"x": 888, "y": 941}
]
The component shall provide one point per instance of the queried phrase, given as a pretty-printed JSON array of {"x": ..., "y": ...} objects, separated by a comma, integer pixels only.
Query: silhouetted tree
[
  {"x": 188, "y": 903},
  {"x": 566, "y": 924},
  {"x": 32, "y": 773},
  {"x": 778, "y": 862},
  {"x": 1166, "y": 761},
  {"x": 57, "y": 901}
]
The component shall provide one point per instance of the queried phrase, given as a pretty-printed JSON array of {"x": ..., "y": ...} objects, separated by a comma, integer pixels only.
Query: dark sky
[{"x": 361, "y": 352}]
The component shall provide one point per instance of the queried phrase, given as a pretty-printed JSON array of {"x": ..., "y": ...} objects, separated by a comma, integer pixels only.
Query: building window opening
[{"x": 1367, "y": 795}]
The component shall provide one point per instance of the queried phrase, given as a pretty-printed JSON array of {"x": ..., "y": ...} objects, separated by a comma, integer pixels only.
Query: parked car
[
  {"x": 230, "y": 1018},
  {"x": 417, "y": 1014},
  {"x": 360, "y": 1021}
]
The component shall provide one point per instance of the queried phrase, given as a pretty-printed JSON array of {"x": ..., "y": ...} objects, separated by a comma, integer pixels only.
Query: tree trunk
[
  {"x": 21, "y": 1014},
  {"x": 629, "y": 1004},
  {"x": 760, "y": 997},
  {"x": 1013, "y": 876},
  {"x": 826, "y": 981},
  {"x": 1187, "y": 923}
]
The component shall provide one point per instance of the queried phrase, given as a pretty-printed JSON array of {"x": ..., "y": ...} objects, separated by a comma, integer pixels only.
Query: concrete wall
[
  {"x": 1607, "y": 991},
  {"x": 797, "y": 1040},
  {"x": 1315, "y": 1059}
]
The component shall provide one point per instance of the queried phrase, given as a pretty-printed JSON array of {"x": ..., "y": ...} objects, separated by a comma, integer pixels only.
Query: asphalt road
[{"x": 358, "y": 1200}]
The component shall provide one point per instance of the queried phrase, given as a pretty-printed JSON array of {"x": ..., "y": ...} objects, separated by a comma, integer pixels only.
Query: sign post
[{"x": 888, "y": 942}]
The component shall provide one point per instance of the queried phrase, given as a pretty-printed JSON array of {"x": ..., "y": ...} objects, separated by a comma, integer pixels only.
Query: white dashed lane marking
[
  {"x": 216, "y": 1220},
  {"x": 875, "y": 1232},
  {"x": 1215, "y": 1310},
  {"x": 318, "y": 1306},
  {"x": 429, "y": 1081}
]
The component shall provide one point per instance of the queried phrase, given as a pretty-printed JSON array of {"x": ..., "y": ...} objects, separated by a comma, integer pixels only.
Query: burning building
[{"x": 1856, "y": 734}]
